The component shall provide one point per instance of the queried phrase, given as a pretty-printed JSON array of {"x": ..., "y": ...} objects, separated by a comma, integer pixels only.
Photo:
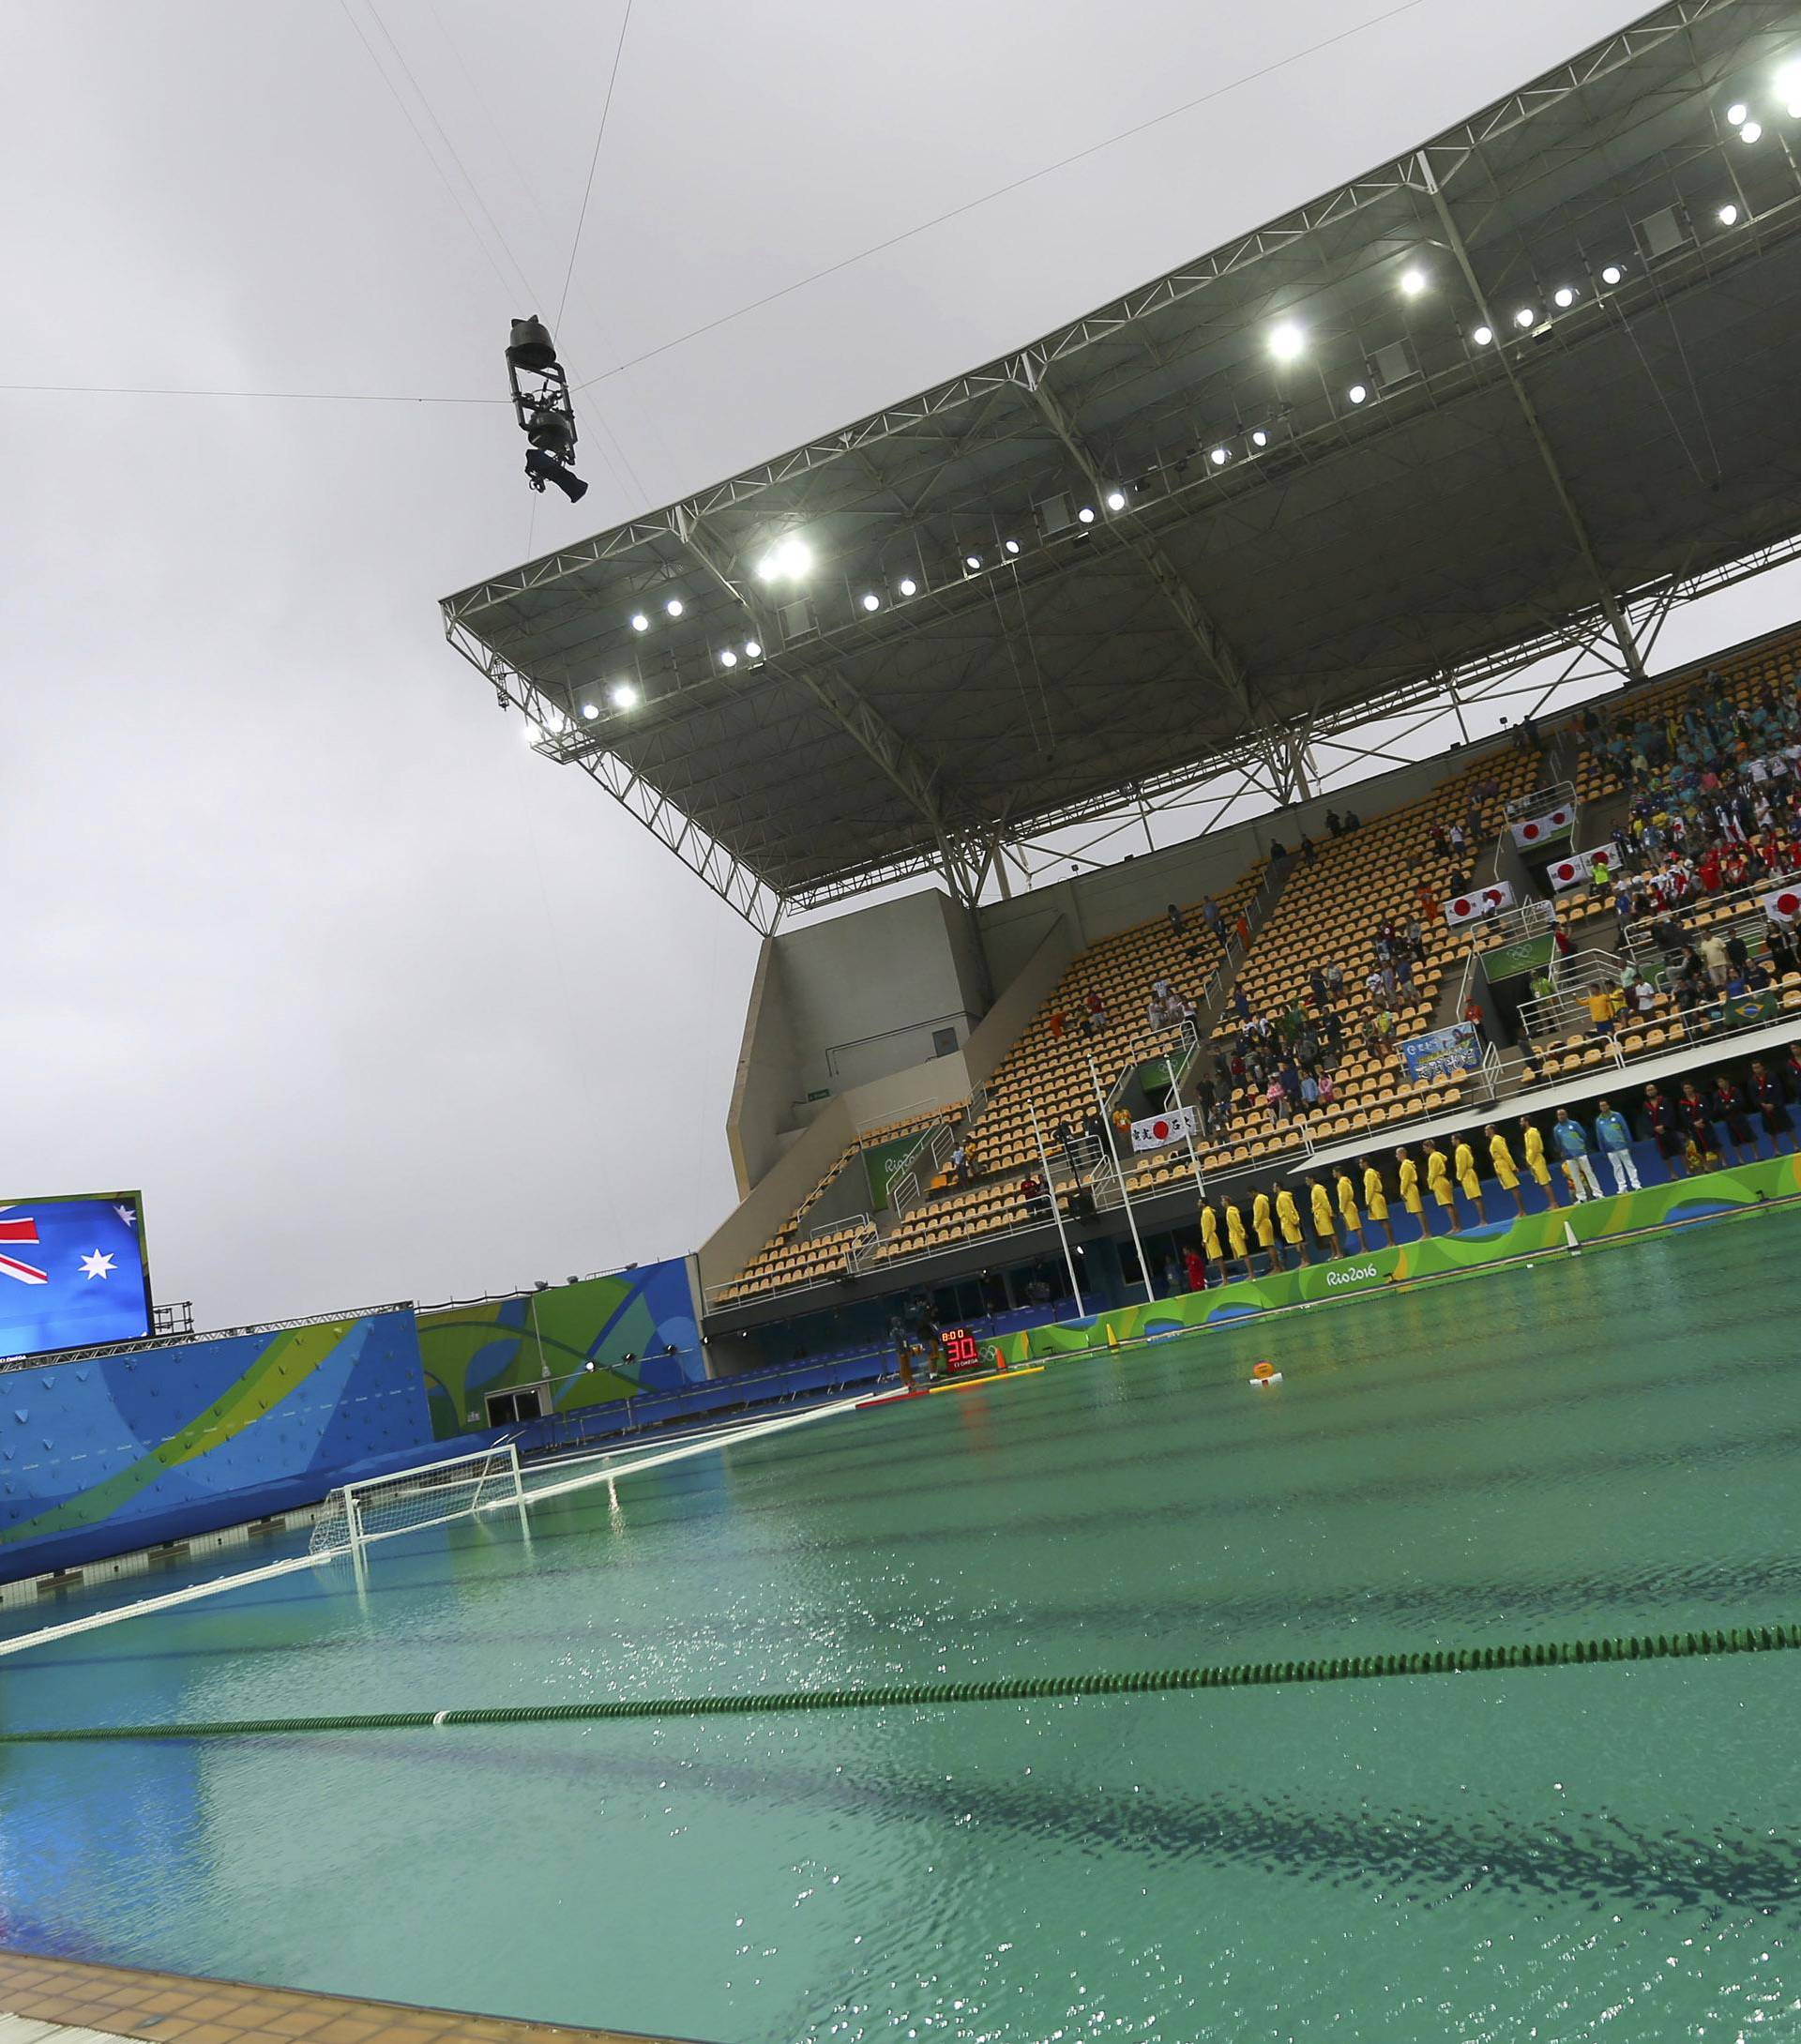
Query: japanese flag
[
  {"x": 1782, "y": 905},
  {"x": 1157, "y": 1132},
  {"x": 1535, "y": 830},
  {"x": 1467, "y": 908},
  {"x": 1568, "y": 872}
]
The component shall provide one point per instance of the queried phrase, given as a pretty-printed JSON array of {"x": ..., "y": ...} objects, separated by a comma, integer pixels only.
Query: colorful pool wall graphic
[
  {"x": 625, "y": 1325},
  {"x": 1443, "y": 1255},
  {"x": 106, "y": 1454},
  {"x": 101, "y": 1455}
]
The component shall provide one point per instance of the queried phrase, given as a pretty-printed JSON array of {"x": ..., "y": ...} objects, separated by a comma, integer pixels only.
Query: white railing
[
  {"x": 1177, "y": 1045},
  {"x": 1565, "y": 1007},
  {"x": 1541, "y": 801}
]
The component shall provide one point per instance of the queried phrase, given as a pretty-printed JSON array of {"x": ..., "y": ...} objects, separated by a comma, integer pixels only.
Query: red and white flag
[
  {"x": 1468, "y": 908},
  {"x": 1570, "y": 871},
  {"x": 1158, "y": 1131},
  {"x": 1782, "y": 905},
  {"x": 1531, "y": 831}
]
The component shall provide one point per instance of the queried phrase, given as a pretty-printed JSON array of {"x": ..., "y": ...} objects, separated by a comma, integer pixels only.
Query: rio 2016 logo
[{"x": 1352, "y": 1277}]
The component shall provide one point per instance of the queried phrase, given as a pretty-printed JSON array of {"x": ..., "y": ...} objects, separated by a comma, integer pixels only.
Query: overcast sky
[{"x": 371, "y": 1002}]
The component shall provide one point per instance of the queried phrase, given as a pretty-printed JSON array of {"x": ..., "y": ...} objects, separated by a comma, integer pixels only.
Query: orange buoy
[{"x": 1262, "y": 1370}]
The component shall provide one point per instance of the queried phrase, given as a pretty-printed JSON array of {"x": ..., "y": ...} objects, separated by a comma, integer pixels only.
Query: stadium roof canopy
[{"x": 1519, "y": 390}]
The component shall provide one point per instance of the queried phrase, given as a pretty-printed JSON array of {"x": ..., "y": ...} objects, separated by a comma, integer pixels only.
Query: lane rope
[{"x": 1006, "y": 1689}]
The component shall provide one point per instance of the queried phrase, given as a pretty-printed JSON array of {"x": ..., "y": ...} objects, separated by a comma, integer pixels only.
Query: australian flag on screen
[{"x": 71, "y": 1274}]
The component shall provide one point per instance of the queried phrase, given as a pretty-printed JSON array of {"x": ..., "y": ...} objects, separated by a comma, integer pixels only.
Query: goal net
[{"x": 457, "y": 1488}]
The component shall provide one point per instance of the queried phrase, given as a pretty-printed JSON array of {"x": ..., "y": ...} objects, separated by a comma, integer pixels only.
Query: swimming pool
[{"x": 1598, "y": 1444}]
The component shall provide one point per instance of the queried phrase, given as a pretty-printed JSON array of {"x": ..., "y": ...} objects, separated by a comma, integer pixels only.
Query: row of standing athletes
[{"x": 1355, "y": 1228}]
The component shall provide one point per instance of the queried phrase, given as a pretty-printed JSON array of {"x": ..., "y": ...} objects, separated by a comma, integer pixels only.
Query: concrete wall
[{"x": 843, "y": 1006}]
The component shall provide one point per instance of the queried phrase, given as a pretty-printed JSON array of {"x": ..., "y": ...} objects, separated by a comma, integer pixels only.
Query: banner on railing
[
  {"x": 1468, "y": 908},
  {"x": 883, "y": 1162},
  {"x": 1531, "y": 831},
  {"x": 1444, "y": 1053},
  {"x": 1158, "y": 1131},
  {"x": 1571, "y": 872},
  {"x": 1781, "y": 904},
  {"x": 1739, "y": 1011}
]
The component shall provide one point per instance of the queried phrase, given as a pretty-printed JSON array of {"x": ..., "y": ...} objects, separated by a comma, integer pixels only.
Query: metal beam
[
  {"x": 1214, "y": 646},
  {"x": 920, "y": 778},
  {"x": 1610, "y": 604}
]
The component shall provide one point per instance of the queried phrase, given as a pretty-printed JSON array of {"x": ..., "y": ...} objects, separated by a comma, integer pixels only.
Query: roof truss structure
[{"x": 1149, "y": 552}]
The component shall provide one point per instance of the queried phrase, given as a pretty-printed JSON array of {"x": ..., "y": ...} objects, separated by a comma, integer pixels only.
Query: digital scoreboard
[{"x": 961, "y": 1349}]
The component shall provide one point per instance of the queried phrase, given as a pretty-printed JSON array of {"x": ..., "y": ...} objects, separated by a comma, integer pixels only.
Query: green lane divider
[{"x": 1013, "y": 1689}]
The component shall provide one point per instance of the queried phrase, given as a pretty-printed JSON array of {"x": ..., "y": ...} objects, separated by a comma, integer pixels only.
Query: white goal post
[{"x": 429, "y": 1495}]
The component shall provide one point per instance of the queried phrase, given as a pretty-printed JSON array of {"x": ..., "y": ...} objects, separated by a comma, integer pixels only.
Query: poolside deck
[{"x": 64, "y": 2001}]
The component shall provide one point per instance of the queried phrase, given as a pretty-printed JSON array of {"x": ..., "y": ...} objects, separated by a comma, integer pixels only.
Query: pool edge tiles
[{"x": 58, "y": 1996}]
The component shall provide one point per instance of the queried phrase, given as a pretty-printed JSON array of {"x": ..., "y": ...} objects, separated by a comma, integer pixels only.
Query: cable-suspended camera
[{"x": 542, "y": 405}]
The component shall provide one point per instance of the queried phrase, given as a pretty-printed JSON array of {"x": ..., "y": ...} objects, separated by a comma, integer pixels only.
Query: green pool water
[{"x": 1598, "y": 1444}]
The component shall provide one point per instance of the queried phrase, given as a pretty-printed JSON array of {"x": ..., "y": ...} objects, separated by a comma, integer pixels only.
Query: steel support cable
[{"x": 1005, "y": 1689}]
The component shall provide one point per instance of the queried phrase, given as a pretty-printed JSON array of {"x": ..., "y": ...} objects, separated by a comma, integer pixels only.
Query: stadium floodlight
[
  {"x": 1115, "y": 500},
  {"x": 753, "y": 651},
  {"x": 908, "y": 586},
  {"x": 871, "y": 602},
  {"x": 1564, "y": 298},
  {"x": 972, "y": 562},
  {"x": 1729, "y": 215},
  {"x": 1286, "y": 340},
  {"x": 1219, "y": 456},
  {"x": 1751, "y": 132},
  {"x": 787, "y": 561},
  {"x": 1611, "y": 274},
  {"x": 640, "y": 622},
  {"x": 1260, "y": 438},
  {"x": 532, "y": 732},
  {"x": 1011, "y": 546},
  {"x": 1793, "y": 108},
  {"x": 1357, "y": 393},
  {"x": 1525, "y": 317},
  {"x": 1087, "y": 515},
  {"x": 590, "y": 710},
  {"x": 1788, "y": 81},
  {"x": 727, "y": 658},
  {"x": 1737, "y": 114},
  {"x": 674, "y": 606},
  {"x": 1413, "y": 282},
  {"x": 1482, "y": 336},
  {"x": 623, "y": 695}
]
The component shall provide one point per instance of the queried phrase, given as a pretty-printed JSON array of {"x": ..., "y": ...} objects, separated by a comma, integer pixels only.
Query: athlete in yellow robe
[
  {"x": 1264, "y": 1227},
  {"x": 1236, "y": 1236},
  {"x": 1288, "y": 1217},
  {"x": 1347, "y": 1207},
  {"x": 1210, "y": 1237},
  {"x": 1534, "y": 1144},
  {"x": 1502, "y": 1159},
  {"x": 1323, "y": 1226},
  {"x": 1463, "y": 1168},
  {"x": 1376, "y": 1202},
  {"x": 1438, "y": 1183},
  {"x": 1407, "y": 1174}
]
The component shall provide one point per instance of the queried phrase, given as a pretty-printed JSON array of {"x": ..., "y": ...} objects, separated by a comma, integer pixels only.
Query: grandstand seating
[
  {"x": 1047, "y": 1072},
  {"x": 794, "y": 1257},
  {"x": 1773, "y": 664},
  {"x": 1329, "y": 910}
]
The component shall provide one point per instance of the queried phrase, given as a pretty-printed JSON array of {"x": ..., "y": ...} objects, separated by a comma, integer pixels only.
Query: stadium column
[{"x": 1616, "y": 619}]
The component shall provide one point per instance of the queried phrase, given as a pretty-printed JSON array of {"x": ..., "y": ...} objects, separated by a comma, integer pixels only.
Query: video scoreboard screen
[{"x": 73, "y": 1273}]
